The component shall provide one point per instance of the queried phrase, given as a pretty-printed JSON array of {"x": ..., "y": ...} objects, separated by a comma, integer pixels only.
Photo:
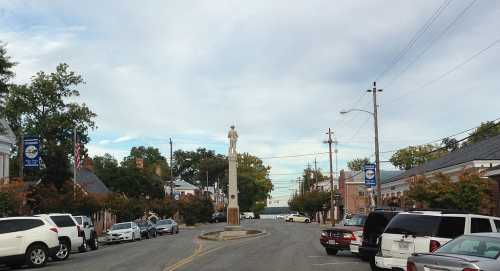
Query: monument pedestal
[
  {"x": 233, "y": 216},
  {"x": 233, "y": 210}
]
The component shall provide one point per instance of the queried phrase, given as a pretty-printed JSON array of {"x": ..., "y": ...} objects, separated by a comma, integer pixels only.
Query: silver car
[
  {"x": 479, "y": 251},
  {"x": 167, "y": 226}
]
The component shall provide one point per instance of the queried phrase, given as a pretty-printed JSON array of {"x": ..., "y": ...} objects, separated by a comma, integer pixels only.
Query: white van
[{"x": 424, "y": 232}]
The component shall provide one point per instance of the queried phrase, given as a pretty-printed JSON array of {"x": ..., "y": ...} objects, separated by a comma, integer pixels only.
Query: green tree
[
  {"x": 134, "y": 183},
  {"x": 192, "y": 166},
  {"x": 195, "y": 209},
  {"x": 470, "y": 193},
  {"x": 6, "y": 74},
  {"x": 358, "y": 164},
  {"x": 485, "y": 130},
  {"x": 10, "y": 203},
  {"x": 151, "y": 157},
  {"x": 310, "y": 202},
  {"x": 46, "y": 108},
  {"x": 413, "y": 156}
]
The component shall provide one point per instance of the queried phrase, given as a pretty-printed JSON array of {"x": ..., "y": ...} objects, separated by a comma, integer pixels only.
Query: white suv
[
  {"x": 70, "y": 234},
  {"x": 27, "y": 240},
  {"x": 424, "y": 232}
]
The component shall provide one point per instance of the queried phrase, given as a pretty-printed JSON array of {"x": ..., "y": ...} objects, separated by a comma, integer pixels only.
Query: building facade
[{"x": 7, "y": 140}]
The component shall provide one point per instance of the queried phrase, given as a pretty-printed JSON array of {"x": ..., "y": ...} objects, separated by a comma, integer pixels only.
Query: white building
[
  {"x": 182, "y": 188},
  {"x": 7, "y": 140}
]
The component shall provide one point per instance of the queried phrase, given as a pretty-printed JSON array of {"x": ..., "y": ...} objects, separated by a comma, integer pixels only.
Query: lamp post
[{"x": 375, "y": 122}]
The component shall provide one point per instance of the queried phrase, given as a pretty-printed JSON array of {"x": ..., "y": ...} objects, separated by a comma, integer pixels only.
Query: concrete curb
[{"x": 213, "y": 235}]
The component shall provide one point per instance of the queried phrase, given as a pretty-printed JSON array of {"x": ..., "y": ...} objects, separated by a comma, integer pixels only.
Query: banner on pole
[
  {"x": 31, "y": 154},
  {"x": 370, "y": 180}
]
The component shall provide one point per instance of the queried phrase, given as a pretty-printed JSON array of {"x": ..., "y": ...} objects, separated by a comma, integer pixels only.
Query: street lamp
[{"x": 375, "y": 126}]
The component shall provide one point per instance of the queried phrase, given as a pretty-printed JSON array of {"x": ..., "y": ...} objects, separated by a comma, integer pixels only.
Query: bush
[{"x": 195, "y": 209}]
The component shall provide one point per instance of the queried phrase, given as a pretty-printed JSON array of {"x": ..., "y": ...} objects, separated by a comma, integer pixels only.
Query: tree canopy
[
  {"x": 46, "y": 108},
  {"x": 6, "y": 74},
  {"x": 413, "y": 156},
  {"x": 358, "y": 164}
]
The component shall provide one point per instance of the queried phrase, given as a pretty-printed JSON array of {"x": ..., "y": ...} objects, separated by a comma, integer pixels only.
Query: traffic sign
[{"x": 370, "y": 180}]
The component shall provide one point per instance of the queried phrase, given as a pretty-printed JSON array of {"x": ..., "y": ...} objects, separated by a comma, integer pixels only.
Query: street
[{"x": 287, "y": 246}]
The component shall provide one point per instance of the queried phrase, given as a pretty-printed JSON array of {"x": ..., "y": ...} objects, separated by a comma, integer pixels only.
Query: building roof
[
  {"x": 488, "y": 149},
  {"x": 183, "y": 185},
  {"x": 6, "y": 134},
  {"x": 90, "y": 182}
]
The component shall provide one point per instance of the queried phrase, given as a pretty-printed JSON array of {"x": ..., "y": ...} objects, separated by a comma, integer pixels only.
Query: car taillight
[
  {"x": 349, "y": 236},
  {"x": 80, "y": 232},
  {"x": 54, "y": 230},
  {"x": 434, "y": 245},
  {"x": 410, "y": 266}
]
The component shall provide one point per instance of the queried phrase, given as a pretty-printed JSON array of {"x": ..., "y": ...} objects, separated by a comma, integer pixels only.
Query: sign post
[
  {"x": 31, "y": 152},
  {"x": 370, "y": 180}
]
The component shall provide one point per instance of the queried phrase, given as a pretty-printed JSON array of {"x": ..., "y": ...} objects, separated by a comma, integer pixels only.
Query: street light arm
[{"x": 360, "y": 110}]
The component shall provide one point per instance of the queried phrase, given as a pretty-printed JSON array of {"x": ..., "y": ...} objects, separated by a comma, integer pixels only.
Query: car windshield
[
  {"x": 355, "y": 221},
  {"x": 477, "y": 246},
  {"x": 121, "y": 226},
  {"x": 165, "y": 222}
]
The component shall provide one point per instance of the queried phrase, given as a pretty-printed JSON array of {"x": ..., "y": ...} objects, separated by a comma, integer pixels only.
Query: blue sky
[{"x": 279, "y": 70}]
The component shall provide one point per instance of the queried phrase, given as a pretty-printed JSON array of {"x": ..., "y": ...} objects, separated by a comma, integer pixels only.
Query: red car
[{"x": 340, "y": 237}]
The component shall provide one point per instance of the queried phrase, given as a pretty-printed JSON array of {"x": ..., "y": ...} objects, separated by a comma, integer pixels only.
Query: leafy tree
[
  {"x": 450, "y": 144},
  {"x": 470, "y": 193},
  {"x": 413, "y": 156},
  {"x": 45, "y": 108},
  {"x": 151, "y": 157},
  {"x": 485, "y": 130},
  {"x": 310, "y": 202},
  {"x": 195, "y": 209},
  {"x": 6, "y": 74},
  {"x": 192, "y": 166},
  {"x": 10, "y": 203},
  {"x": 125, "y": 209},
  {"x": 133, "y": 182},
  {"x": 358, "y": 164}
]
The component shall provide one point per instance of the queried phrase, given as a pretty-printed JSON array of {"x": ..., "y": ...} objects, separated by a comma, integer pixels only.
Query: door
[{"x": 10, "y": 238}]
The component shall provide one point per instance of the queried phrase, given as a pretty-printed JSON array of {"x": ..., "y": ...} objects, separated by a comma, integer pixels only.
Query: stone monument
[{"x": 233, "y": 210}]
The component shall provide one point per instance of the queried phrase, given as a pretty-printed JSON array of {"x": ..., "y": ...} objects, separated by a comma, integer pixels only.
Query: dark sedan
[
  {"x": 218, "y": 217},
  {"x": 479, "y": 251},
  {"x": 148, "y": 229}
]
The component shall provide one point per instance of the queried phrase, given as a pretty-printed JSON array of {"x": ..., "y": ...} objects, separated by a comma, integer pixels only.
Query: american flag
[{"x": 77, "y": 155}]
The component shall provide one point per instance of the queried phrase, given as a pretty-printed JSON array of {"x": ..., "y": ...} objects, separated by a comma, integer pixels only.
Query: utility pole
[
  {"x": 171, "y": 172},
  {"x": 332, "y": 206},
  {"x": 315, "y": 174},
  {"x": 208, "y": 192},
  {"x": 377, "y": 157}
]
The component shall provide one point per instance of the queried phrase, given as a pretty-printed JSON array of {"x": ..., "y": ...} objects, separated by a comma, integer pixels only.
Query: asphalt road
[{"x": 287, "y": 246}]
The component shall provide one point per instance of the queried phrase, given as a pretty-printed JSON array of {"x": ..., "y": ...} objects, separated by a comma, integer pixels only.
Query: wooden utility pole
[
  {"x": 377, "y": 154},
  {"x": 332, "y": 205},
  {"x": 171, "y": 173},
  {"x": 315, "y": 174}
]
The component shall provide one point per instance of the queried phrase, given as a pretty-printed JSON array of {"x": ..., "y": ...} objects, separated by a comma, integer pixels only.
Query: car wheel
[
  {"x": 307, "y": 221},
  {"x": 36, "y": 255},
  {"x": 364, "y": 257},
  {"x": 94, "y": 243},
  {"x": 216, "y": 220},
  {"x": 64, "y": 251},
  {"x": 373, "y": 266},
  {"x": 177, "y": 230},
  {"x": 331, "y": 251},
  {"x": 148, "y": 235},
  {"x": 84, "y": 247}
]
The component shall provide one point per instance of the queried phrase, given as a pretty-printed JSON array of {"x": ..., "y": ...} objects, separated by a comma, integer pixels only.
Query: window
[
  {"x": 497, "y": 224},
  {"x": 63, "y": 220},
  {"x": 361, "y": 194},
  {"x": 478, "y": 246},
  {"x": 451, "y": 227},
  {"x": 15, "y": 225},
  {"x": 480, "y": 225},
  {"x": 418, "y": 225},
  {"x": 79, "y": 220}
]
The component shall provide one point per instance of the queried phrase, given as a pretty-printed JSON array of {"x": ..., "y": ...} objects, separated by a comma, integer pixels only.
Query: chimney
[
  {"x": 139, "y": 163},
  {"x": 158, "y": 170},
  {"x": 88, "y": 164}
]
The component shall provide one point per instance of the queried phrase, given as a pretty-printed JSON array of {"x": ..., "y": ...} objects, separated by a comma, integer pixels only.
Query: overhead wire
[
  {"x": 432, "y": 43},
  {"x": 415, "y": 38}
]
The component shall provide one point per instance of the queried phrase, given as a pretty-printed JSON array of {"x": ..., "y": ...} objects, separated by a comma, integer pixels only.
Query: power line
[
  {"x": 450, "y": 71},
  {"x": 429, "y": 46},
  {"x": 415, "y": 38},
  {"x": 293, "y": 155}
]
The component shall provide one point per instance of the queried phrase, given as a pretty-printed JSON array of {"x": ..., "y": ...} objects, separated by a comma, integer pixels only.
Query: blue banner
[
  {"x": 370, "y": 180},
  {"x": 31, "y": 154}
]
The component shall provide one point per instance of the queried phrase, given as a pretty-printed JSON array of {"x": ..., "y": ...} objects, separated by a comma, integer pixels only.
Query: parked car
[
  {"x": 89, "y": 234},
  {"x": 167, "y": 226},
  {"x": 248, "y": 215},
  {"x": 148, "y": 229},
  {"x": 425, "y": 231},
  {"x": 479, "y": 251},
  {"x": 126, "y": 231},
  {"x": 27, "y": 240},
  {"x": 218, "y": 217},
  {"x": 70, "y": 234},
  {"x": 341, "y": 237},
  {"x": 298, "y": 218},
  {"x": 374, "y": 227}
]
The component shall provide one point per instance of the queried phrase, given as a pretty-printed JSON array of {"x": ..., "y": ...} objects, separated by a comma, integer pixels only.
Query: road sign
[
  {"x": 31, "y": 154},
  {"x": 370, "y": 180}
]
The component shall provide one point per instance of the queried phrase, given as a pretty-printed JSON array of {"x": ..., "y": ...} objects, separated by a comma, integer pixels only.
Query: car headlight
[{"x": 324, "y": 234}]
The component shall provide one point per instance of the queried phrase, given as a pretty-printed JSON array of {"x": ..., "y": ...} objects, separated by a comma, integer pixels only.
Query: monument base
[{"x": 233, "y": 216}]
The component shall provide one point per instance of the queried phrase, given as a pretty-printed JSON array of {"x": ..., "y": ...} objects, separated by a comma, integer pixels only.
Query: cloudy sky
[{"x": 279, "y": 70}]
